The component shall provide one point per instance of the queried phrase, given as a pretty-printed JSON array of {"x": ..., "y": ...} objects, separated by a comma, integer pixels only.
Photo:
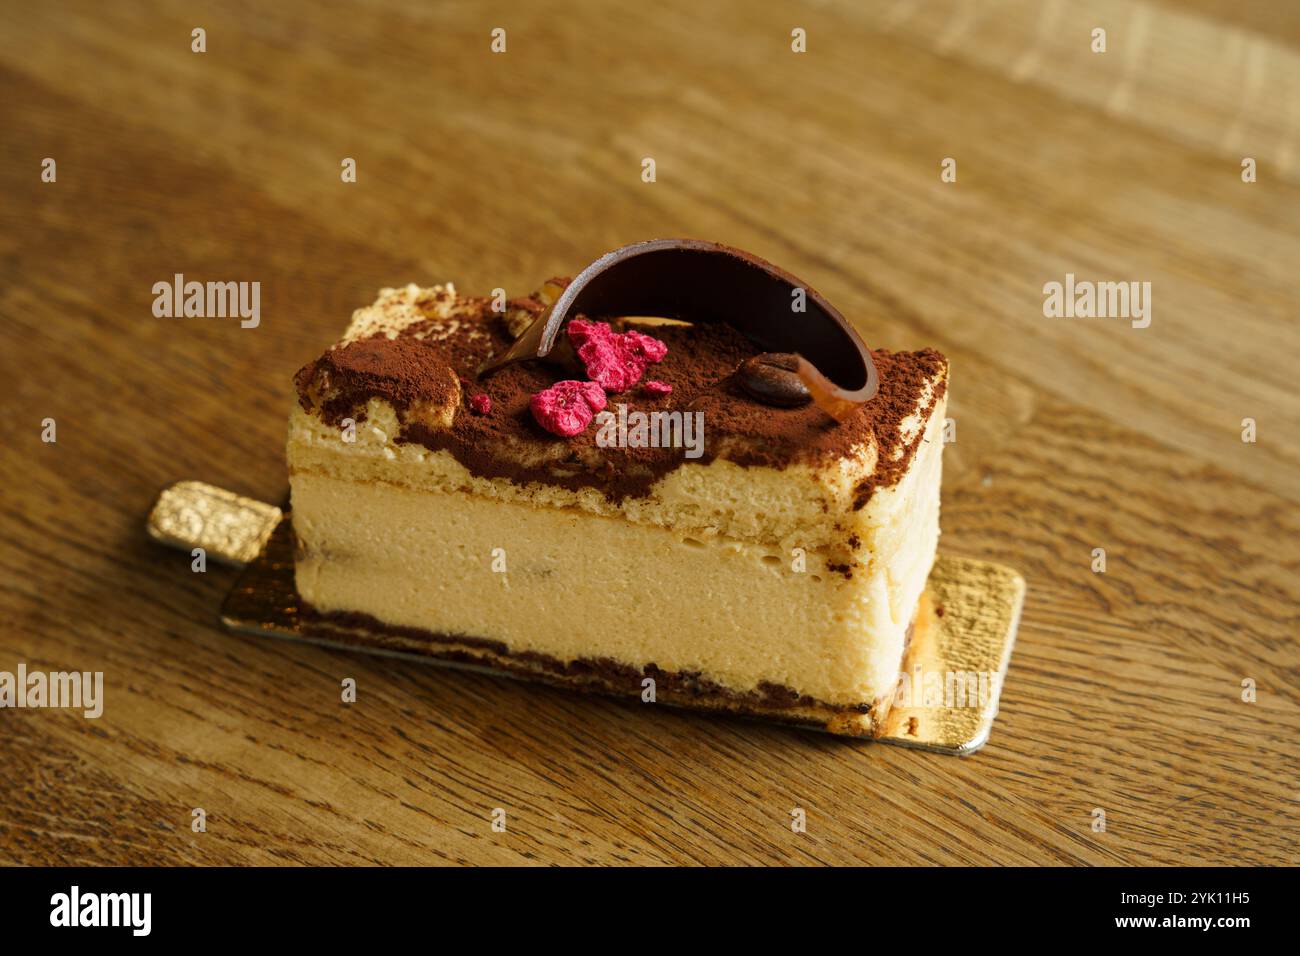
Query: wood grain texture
[{"x": 500, "y": 170}]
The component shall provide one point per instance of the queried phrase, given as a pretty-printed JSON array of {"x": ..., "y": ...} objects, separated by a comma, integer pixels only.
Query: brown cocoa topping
[{"x": 700, "y": 367}]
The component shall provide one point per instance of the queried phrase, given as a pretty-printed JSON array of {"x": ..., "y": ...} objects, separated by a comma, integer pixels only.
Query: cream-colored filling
[{"x": 420, "y": 545}]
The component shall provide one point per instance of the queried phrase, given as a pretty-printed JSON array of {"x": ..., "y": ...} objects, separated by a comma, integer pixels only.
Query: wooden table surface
[{"x": 1125, "y": 690}]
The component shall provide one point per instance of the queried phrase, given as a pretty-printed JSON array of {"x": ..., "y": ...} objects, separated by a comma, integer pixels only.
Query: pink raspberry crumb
[
  {"x": 647, "y": 346},
  {"x": 657, "y": 389},
  {"x": 581, "y": 331},
  {"x": 614, "y": 360},
  {"x": 481, "y": 403},
  {"x": 567, "y": 408}
]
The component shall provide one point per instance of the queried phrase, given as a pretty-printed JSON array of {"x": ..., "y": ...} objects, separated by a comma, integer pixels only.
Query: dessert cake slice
[{"x": 729, "y": 554}]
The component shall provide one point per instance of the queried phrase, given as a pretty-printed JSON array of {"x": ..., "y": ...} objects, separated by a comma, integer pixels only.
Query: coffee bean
[{"x": 771, "y": 378}]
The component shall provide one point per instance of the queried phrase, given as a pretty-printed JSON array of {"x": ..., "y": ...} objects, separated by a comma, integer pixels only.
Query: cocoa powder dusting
[
  {"x": 700, "y": 367},
  {"x": 400, "y": 371}
]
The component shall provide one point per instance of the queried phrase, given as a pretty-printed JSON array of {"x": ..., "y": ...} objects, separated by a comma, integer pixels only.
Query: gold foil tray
[
  {"x": 230, "y": 528},
  {"x": 948, "y": 691}
]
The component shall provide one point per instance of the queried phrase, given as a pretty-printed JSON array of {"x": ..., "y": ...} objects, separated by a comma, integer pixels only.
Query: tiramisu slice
[{"x": 743, "y": 549}]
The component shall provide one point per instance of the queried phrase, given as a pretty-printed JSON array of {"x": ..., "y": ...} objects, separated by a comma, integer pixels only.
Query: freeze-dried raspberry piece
[
  {"x": 567, "y": 408},
  {"x": 657, "y": 389},
  {"x": 647, "y": 346},
  {"x": 614, "y": 360},
  {"x": 481, "y": 403},
  {"x": 582, "y": 330},
  {"x": 610, "y": 365}
]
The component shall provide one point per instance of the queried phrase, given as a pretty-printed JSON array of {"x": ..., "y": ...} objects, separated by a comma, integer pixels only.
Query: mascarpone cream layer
[
  {"x": 571, "y": 586},
  {"x": 412, "y": 541}
]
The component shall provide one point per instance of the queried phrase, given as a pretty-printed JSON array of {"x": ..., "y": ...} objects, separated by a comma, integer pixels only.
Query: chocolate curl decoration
[{"x": 698, "y": 281}]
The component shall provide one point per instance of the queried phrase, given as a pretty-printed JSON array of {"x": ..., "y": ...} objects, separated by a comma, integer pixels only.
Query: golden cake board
[{"x": 951, "y": 677}]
